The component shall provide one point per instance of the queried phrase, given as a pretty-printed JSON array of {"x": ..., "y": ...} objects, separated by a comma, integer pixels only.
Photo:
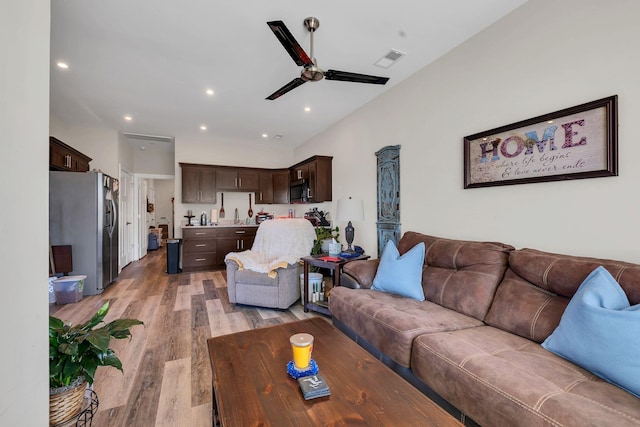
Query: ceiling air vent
[
  {"x": 389, "y": 59},
  {"x": 150, "y": 138}
]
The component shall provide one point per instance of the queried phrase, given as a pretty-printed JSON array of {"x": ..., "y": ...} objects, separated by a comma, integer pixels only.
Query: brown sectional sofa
[{"x": 474, "y": 344}]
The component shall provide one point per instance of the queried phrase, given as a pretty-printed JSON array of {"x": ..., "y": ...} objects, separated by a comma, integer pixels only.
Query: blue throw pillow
[
  {"x": 401, "y": 275},
  {"x": 600, "y": 331}
]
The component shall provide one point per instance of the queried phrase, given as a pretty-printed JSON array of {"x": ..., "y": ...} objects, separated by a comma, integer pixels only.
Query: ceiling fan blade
[
  {"x": 289, "y": 42},
  {"x": 286, "y": 88},
  {"x": 346, "y": 76}
]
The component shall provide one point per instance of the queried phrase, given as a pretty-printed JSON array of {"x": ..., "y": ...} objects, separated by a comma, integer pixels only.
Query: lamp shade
[{"x": 350, "y": 210}]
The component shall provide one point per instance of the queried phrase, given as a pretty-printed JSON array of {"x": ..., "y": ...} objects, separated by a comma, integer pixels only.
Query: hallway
[{"x": 167, "y": 376}]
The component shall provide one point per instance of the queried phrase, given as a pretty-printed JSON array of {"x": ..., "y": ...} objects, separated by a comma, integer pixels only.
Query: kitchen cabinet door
[
  {"x": 234, "y": 239},
  {"x": 236, "y": 179},
  {"x": 62, "y": 157},
  {"x": 265, "y": 190},
  {"x": 248, "y": 180},
  {"x": 227, "y": 179},
  {"x": 208, "y": 185},
  {"x": 198, "y": 184},
  {"x": 190, "y": 185},
  {"x": 280, "y": 181}
]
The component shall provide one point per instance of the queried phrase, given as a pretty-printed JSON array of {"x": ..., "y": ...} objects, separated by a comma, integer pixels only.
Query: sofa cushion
[
  {"x": 401, "y": 275},
  {"x": 496, "y": 377},
  {"x": 458, "y": 274},
  {"x": 538, "y": 285},
  {"x": 391, "y": 322},
  {"x": 255, "y": 278},
  {"x": 599, "y": 331}
]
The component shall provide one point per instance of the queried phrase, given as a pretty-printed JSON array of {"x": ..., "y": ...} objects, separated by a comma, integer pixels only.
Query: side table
[{"x": 321, "y": 262}]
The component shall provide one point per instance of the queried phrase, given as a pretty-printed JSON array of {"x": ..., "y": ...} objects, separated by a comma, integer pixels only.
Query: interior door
[
  {"x": 142, "y": 218},
  {"x": 127, "y": 229}
]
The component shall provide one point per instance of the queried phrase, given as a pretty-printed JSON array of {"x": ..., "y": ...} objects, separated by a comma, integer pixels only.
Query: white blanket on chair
[{"x": 278, "y": 242}]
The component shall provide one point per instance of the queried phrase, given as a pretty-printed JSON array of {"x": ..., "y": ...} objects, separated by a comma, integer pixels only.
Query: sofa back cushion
[
  {"x": 458, "y": 274},
  {"x": 538, "y": 286}
]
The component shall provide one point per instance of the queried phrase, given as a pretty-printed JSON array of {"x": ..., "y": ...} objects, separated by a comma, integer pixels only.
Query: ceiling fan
[{"x": 311, "y": 72}]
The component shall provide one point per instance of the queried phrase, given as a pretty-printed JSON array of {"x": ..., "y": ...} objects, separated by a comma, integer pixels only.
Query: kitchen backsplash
[{"x": 240, "y": 201}]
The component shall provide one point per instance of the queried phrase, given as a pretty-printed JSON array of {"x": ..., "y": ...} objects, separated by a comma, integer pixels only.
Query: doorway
[{"x": 127, "y": 226}]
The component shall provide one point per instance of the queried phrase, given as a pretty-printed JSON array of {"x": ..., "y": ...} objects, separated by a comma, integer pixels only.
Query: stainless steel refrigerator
[{"x": 83, "y": 213}]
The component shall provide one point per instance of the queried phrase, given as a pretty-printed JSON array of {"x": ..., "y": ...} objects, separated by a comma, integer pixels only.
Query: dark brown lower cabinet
[{"x": 204, "y": 248}]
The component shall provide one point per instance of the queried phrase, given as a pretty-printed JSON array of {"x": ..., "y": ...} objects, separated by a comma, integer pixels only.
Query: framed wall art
[{"x": 577, "y": 142}]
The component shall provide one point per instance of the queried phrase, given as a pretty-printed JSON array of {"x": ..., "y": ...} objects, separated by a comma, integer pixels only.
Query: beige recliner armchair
[{"x": 268, "y": 275}]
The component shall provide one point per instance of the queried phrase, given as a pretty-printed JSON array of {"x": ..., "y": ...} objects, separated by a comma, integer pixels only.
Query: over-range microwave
[{"x": 299, "y": 191}]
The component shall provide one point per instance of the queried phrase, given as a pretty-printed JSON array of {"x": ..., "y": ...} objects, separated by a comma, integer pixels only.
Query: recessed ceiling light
[
  {"x": 61, "y": 64},
  {"x": 550, "y": 121},
  {"x": 265, "y": 135},
  {"x": 142, "y": 148},
  {"x": 278, "y": 136},
  {"x": 128, "y": 118},
  {"x": 209, "y": 92},
  {"x": 307, "y": 109},
  {"x": 203, "y": 127}
]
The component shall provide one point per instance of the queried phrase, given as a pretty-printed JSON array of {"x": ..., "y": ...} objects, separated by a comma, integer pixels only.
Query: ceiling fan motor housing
[{"x": 312, "y": 73}]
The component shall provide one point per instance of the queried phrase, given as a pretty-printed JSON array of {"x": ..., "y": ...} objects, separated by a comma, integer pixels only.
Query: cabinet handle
[
  {"x": 240, "y": 180},
  {"x": 308, "y": 193},
  {"x": 299, "y": 173},
  {"x": 201, "y": 259},
  {"x": 241, "y": 244},
  {"x": 201, "y": 245},
  {"x": 200, "y": 233},
  {"x": 261, "y": 196},
  {"x": 235, "y": 182},
  {"x": 240, "y": 231},
  {"x": 237, "y": 244}
]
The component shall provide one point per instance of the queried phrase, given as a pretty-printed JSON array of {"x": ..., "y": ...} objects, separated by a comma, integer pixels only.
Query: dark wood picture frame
[{"x": 573, "y": 143}]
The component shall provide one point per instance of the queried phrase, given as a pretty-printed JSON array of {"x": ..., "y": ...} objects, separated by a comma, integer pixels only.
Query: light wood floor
[{"x": 167, "y": 376}]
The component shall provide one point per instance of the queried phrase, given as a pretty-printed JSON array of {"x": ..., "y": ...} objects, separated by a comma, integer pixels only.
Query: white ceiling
[{"x": 154, "y": 59}]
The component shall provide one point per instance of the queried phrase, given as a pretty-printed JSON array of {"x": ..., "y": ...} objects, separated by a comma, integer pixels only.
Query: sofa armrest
[
  {"x": 232, "y": 267},
  {"x": 359, "y": 274}
]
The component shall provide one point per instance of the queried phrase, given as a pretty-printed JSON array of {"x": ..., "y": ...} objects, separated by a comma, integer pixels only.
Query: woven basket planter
[{"x": 67, "y": 404}]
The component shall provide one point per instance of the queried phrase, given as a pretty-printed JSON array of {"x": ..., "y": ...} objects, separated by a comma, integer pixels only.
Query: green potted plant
[
  {"x": 322, "y": 234},
  {"x": 75, "y": 353}
]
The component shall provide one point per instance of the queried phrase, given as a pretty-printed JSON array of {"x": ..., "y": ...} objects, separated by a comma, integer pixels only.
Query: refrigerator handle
[{"x": 114, "y": 218}]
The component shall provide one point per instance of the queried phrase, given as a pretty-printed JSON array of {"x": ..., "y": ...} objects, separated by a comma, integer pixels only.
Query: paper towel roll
[{"x": 214, "y": 215}]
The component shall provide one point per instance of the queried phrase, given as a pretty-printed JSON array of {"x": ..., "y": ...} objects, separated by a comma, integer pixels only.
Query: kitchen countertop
[{"x": 220, "y": 225}]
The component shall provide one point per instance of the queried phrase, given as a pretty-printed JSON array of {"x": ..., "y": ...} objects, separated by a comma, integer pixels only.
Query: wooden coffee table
[{"x": 251, "y": 386}]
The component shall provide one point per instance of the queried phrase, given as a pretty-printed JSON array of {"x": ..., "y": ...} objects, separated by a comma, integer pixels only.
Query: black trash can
[{"x": 173, "y": 256}]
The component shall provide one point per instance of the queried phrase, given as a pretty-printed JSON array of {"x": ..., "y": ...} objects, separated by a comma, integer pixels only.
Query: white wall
[
  {"x": 24, "y": 177},
  {"x": 545, "y": 56},
  {"x": 125, "y": 154},
  {"x": 153, "y": 162}
]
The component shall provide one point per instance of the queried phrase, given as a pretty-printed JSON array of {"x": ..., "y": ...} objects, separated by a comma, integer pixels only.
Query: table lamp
[{"x": 350, "y": 210}]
